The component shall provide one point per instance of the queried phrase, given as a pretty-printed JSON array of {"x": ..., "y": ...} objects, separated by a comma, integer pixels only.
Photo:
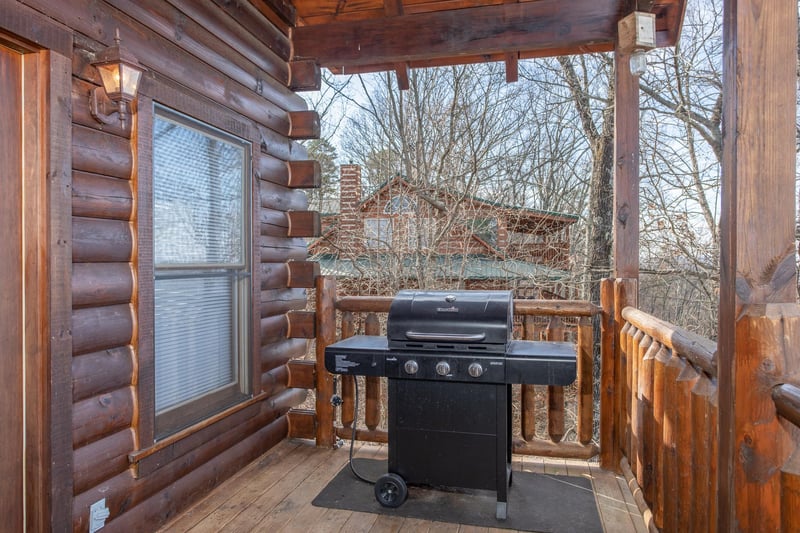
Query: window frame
[
  {"x": 190, "y": 411},
  {"x": 382, "y": 238},
  {"x": 229, "y": 122}
]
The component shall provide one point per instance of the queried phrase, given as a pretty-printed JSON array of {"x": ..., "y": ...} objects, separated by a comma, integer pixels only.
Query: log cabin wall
[{"x": 226, "y": 65}]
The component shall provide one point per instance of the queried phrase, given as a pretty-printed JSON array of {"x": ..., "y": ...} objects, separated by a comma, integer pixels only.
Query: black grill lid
[{"x": 451, "y": 320}]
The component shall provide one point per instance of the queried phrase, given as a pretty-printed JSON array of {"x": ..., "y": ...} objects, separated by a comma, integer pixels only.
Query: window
[
  {"x": 398, "y": 205},
  {"x": 378, "y": 232},
  {"x": 201, "y": 267},
  {"x": 485, "y": 229},
  {"x": 420, "y": 233}
]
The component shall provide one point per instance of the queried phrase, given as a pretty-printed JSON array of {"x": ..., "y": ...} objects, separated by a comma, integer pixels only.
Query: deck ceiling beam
[{"x": 569, "y": 27}]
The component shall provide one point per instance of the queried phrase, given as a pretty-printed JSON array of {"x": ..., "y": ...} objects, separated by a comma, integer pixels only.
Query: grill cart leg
[
  {"x": 502, "y": 510},
  {"x": 503, "y": 449}
]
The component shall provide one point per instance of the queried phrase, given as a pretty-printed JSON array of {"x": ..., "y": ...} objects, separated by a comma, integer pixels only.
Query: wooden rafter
[
  {"x": 394, "y": 8},
  {"x": 497, "y": 29},
  {"x": 512, "y": 67},
  {"x": 376, "y": 35}
]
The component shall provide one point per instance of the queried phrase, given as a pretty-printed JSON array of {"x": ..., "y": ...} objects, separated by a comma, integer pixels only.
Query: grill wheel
[{"x": 391, "y": 490}]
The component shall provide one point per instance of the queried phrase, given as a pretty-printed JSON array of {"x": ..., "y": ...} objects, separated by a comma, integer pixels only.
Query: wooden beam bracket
[
  {"x": 305, "y": 174},
  {"x": 302, "y": 274},
  {"x": 304, "y": 125},
  {"x": 302, "y": 424},
  {"x": 302, "y": 374},
  {"x": 303, "y": 223},
  {"x": 301, "y": 325},
  {"x": 304, "y": 75}
]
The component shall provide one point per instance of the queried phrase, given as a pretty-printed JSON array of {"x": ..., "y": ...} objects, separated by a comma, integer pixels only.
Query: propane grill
[{"x": 450, "y": 359}]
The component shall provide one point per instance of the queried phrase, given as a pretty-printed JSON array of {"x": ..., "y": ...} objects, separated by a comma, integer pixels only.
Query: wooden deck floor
[{"x": 274, "y": 494}]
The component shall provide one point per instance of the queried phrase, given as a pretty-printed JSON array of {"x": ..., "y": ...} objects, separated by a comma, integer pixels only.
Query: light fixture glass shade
[
  {"x": 120, "y": 74},
  {"x": 638, "y": 62},
  {"x": 130, "y": 81},
  {"x": 120, "y": 78}
]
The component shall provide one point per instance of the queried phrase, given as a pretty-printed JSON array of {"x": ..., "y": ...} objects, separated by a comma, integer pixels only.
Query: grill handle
[{"x": 445, "y": 337}]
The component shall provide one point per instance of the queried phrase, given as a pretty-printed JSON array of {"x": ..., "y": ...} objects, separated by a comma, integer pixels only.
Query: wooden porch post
[
  {"x": 759, "y": 322},
  {"x": 326, "y": 334},
  {"x": 626, "y": 166},
  {"x": 620, "y": 291}
]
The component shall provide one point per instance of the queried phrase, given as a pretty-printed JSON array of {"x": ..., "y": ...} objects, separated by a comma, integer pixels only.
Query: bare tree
[{"x": 681, "y": 147}]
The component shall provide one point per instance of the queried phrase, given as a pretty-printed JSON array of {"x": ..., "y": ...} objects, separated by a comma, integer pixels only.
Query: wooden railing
[
  {"x": 664, "y": 423},
  {"x": 669, "y": 418},
  {"x": 540, "y": 421}
]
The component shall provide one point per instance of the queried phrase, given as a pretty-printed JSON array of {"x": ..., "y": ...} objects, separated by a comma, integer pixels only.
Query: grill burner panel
[
  {"x": 530, "y": 362},
  {"x": 451, "y": 361}
]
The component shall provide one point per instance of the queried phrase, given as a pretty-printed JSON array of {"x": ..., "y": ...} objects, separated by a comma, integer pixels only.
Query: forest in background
[{"x": 546, "y": 142}]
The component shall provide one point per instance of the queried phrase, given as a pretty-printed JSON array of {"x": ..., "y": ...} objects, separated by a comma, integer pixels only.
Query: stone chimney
[{"x": 351, "y": 227}]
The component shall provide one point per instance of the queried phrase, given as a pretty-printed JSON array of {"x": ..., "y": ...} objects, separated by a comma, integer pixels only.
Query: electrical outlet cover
[{"x": 98, "y": 513}]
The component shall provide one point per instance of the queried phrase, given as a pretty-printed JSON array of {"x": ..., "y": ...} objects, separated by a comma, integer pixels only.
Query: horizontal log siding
[
  {"x": 165, "y": 55},
  {"x": 196, "y": 472},
  {"x": 100, "y": 372},
  {"x": 239, "y": 63},
  {"x": 103, "y": 281}
]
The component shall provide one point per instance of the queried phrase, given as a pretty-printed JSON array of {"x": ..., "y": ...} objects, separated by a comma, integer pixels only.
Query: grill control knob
[
  {"x": 411, "y": 367},
  {"x": 442, "y": 368},
  {"x": 475, "y": 370}
]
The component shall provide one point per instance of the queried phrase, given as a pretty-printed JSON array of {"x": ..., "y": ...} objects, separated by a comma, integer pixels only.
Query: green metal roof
[{"x": 468, "y": 267}]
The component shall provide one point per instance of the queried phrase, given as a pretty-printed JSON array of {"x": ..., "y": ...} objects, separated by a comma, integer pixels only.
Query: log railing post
[
  {"x": 528, "y": 392},
  {"x": 662, "y": 357},
  {"x": 326, "y": 334},
  {"x": 585, "y": 398},
  {"x": 625, "y": 294},
  {"x": 644, "y": 422},
  {"x": 684, "y": 442},
  {"x": 555, "y": 394},
  {"x": 609, "y": 380},
  {"x": 634, "y": 361},
  {"x": 348, "y": 386},
  {"x": 704, "y": 476},
  {"x": 372, "y": 412}
]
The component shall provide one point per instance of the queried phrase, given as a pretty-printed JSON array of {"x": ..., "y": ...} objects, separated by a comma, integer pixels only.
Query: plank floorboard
[{"x": 274, "y": 494}]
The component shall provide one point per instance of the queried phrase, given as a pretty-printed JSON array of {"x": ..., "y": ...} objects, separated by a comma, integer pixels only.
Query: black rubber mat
[{"x": 536, "y": 502}]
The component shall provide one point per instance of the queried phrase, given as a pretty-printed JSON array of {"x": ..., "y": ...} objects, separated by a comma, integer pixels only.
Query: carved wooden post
[
  {"x": 326, "y": 334},
  {"x": 759, "y": 322}
]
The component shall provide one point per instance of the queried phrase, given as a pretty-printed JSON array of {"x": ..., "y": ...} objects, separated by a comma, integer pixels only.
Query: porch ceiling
[{"x": 350, "y": 36}]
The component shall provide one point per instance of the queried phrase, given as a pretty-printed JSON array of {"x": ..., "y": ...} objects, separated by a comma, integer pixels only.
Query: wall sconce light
[
  {"x": 637, "y": 35},
  {"x": 120, "y": 73}
]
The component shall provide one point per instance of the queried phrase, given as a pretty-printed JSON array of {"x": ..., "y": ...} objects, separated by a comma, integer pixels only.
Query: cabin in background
[{"x": 405, "y": 236}]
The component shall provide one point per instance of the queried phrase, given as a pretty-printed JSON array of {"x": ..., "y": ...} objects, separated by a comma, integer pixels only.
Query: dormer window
[{"x": 399, "y": 204}]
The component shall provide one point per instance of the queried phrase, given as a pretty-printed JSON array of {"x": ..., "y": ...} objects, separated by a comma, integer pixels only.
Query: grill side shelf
[
  {"x": 361, "y": 355},
  {"x": 541, "y": 363}
]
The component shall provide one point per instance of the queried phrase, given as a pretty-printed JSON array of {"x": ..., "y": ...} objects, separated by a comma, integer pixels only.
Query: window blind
[{"x": 200, "y": 264}]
